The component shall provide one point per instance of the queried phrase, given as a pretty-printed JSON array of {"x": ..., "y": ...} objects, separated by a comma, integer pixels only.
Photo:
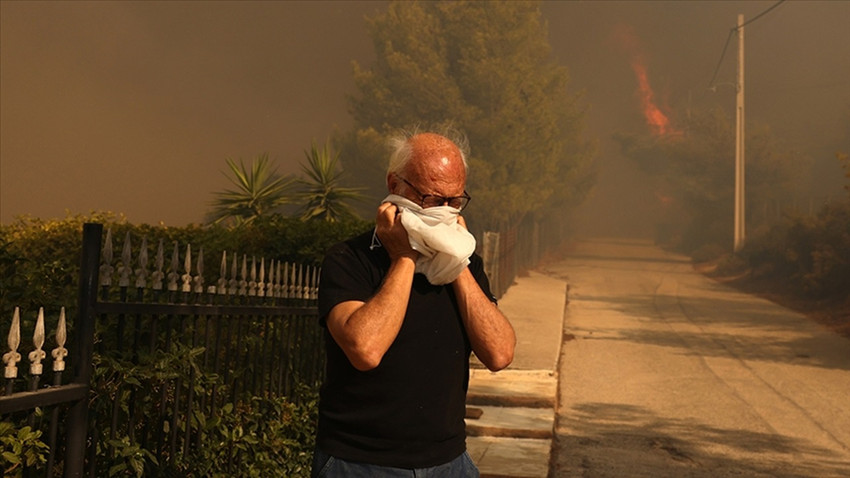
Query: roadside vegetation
[
  {"x": 796, "y": 257},
  {"x": 260, "y": 191},
  {"x": 802, "y": 262},
  {"x": 486, "y": 69},
  {"x": 266, "y": 436},
  {"x": 39, "y": 267}
]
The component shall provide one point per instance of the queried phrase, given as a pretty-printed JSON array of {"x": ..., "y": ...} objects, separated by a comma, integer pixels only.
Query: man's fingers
[
  {"x": 386, "y": 213},
  {"x": 386, "y": 207}
]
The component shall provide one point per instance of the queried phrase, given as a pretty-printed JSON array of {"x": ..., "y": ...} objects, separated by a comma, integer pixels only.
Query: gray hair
[{"x": 401, "y": 151}]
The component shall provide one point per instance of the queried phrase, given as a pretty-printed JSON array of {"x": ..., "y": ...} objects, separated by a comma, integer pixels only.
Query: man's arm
[
  {"x": 491, "y": 335},
  {"x": 366, "y": 330}
]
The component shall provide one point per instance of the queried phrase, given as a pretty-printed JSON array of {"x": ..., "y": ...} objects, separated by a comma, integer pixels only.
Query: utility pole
[{"x": 739, "y": 143}]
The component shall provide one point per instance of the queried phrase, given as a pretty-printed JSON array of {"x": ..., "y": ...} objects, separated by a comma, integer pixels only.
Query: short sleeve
[{"x": 346, "y": 275}]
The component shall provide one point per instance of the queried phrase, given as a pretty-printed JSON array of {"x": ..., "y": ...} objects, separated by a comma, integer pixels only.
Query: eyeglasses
[{"x": 430, "y": 200}]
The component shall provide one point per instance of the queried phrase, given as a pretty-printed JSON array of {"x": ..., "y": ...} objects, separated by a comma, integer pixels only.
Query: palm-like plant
[
  {"x": 259, "y": 191},
  {"x": 321, "y": 193}
]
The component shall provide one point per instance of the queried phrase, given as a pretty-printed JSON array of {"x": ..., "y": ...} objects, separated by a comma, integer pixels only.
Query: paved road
[{"x": 665, "y": 373}]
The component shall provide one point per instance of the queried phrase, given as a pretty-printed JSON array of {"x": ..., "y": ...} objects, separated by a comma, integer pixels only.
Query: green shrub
[
  {"x": 39, "y": 267},
  {"x": 40, "y": 259},
  {"x": 812, "y": 254},
  {"x": 21, "y": 447},
  {"x": 267, "y": 437}
]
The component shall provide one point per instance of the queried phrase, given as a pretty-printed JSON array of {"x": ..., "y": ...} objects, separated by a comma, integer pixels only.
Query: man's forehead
[{"x": 438, "y": 149}]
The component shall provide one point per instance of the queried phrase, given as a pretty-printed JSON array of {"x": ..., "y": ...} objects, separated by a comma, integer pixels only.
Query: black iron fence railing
[{"x": 156, "y": 354}]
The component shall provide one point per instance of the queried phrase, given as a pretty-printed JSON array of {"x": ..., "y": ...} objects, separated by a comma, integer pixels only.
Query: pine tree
[{"x": 486, "y": 69}]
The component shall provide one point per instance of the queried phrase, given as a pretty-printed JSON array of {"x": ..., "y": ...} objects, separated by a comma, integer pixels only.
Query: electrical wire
[
  {"x": 732, "y": 32},
  {"x": 759, "y": 15},
  {"x": 720, "y": 61}
]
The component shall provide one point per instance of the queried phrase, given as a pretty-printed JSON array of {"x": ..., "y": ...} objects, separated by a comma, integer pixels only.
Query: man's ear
[{"x": 392, "y": 183}]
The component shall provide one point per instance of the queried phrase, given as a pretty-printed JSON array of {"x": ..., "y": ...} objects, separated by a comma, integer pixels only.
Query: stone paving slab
[
  {"x": 523, "y": 388},
  {"x": 499, "y": 457},
  {"x": 515, "y": 408},
  {"x": 516, "y": 422}
]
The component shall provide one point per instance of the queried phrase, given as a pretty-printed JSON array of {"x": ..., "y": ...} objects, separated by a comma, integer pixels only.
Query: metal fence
[
  {"x": 519, "y": 247},
  {"x": 157, "y": 352}
]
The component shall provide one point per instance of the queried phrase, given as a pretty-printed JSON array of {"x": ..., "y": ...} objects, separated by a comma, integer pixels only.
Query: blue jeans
[{"x": 327, "y": 466}]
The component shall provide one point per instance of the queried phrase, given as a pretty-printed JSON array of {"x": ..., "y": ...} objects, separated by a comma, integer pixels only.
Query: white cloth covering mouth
[{"x": 444, "y": 246}]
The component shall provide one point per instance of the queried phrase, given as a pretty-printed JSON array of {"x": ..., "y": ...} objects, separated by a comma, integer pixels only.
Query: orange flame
[
  {"x": 655, "y": 118},
  {"x": 664, "y": 199}
]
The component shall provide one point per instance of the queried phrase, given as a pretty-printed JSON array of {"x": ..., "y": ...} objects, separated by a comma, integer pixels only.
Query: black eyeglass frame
[{"x": 465, "y": 198}]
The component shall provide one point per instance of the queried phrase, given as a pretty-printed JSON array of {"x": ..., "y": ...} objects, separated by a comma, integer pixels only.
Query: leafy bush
[
  {"x": 265, "y": 436},
  {"x": 812, "y": 253},
  {"x": 20, "y": 447},
  {"x": 268, "y": 437},
  {"x": 40, "y": 259}
]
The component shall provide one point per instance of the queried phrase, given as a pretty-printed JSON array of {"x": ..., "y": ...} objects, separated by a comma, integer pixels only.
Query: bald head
[
  {"x": 402, "y": 146},
  {"x": 432, "y": 164},
  {"x": 432, "y": 154}
]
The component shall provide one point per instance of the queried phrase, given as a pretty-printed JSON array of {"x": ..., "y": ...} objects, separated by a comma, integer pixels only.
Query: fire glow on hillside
[{"x": 656, "y": 119}]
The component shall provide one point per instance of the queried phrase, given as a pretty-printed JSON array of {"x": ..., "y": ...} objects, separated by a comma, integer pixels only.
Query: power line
[
  {"x": 732, "y": 32},
  {"x": 722, "y": 55},
  {"x": 759, "y": 15}
]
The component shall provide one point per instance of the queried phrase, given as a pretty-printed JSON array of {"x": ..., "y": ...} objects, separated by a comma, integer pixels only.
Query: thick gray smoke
[{"x": 133, "y": 106}]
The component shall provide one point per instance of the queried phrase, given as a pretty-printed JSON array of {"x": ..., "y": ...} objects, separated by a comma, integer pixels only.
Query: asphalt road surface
[{"x": 665, "y": 373}]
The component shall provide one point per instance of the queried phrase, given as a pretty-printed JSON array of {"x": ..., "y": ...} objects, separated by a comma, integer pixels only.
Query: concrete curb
[{"x": 511, "y": 414}]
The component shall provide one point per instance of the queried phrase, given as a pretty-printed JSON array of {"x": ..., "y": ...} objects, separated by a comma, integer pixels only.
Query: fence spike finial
[
  {"x": 198, "y": 280},
  {"x": 37, "y": 355},
  {"x": 142, "y": 271},
  {"x": 106, "y": 253},
  {"x": 60, "y": 352},
  {"x": 261, "y": 279},
  {"x": 270, "y": 282},
  {"x": 252, "y": 282},
  {"x": 12, "y": 357},
  {"x": 158, "y": 275},
  {"x": 285, "y": 283},
  {"x": 291, "y": 286},
  {"x": 222, "y": 279},
  {"x": 106, "y": 268},
  {"x": 314, "y": 284},
  {"x": 299, "y": 284},
  {"x": 233, "y": 282},
  {"x": 126, "y": 259},
  {"x": 174, "y": 273},
  {"x": 277, "y": 281},
  {"x": 243, "y": 282},
  {"x": 187, "y": 267}
]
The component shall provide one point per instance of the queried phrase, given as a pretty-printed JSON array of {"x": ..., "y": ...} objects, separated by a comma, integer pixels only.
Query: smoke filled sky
[{"x": 132, "y": 107}]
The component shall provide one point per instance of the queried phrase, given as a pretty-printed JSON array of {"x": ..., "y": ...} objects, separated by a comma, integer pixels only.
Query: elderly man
[{"x": 403, "y": 307}]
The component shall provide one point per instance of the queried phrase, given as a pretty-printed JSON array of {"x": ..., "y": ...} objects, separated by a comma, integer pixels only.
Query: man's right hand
[{"x": 392, "y": 233}]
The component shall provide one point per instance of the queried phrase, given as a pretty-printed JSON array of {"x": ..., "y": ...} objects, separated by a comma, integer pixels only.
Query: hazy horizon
[{"x": 132, "y": 107}]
